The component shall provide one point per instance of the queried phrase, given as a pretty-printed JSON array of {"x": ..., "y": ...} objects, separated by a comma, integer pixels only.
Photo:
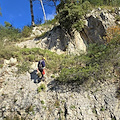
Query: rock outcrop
[
  {"x": 97, "y": 23},
  {"x": 57, "y": 40}
]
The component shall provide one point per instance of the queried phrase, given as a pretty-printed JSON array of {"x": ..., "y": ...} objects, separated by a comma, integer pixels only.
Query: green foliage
[
  {"x": 77, "y": 74},
  {"x": 31, "y": 57},
  {"x": 7, "y": 52},
  {"x": 105, "y": 2},
  {"x": 7, "y": 24},
  {"x": 51, "y": 22},
  {"x": 117, "y": 18},
  {"x": 94, "y": 111},
  {"x": 29, "y": 109},
  {"x": 41, "y": 88},
  {"x": 23, "y": 67},
  {"x": 102, "y": 108},
  {"x": 57, "y": 103},
  {"x": 1, "y": 65},
  {"x": 72, "y": 107},
  {"x": 1, "y": 62},
  {"x": 79, "y": 25},
  {"x": 96, "y": 2},
  {"x": 73, "y": 13},
  {"x": 53, "y": 76},
  {"x": 42, "y": 35},
  {"x": 10, "y": 33},
  {"x": 90, "y": 67},
  {"x": 42, "y": 102},
  {"x": 26, "y": 31}
]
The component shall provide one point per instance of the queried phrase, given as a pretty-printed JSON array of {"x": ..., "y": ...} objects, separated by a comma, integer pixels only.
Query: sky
[{"x": 17, "y": 12}]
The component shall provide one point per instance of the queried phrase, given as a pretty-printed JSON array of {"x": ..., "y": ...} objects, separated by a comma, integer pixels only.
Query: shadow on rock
[
  {"x": 35, "y": 77},
  {"x": 61, "y": 87}
]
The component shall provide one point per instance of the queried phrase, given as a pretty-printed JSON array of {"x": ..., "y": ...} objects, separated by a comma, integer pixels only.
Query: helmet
[{"x": 44, "y": 58}]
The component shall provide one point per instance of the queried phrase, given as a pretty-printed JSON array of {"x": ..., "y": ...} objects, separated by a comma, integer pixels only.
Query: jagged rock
[
  {"x": 97, "y": 22},
  {"x": 76, "y": 45},
  {"x": 12, "y": 61},
  {"x": 37, "y": 31},
  {"x": 57, "y": 40},
  {"x": 34, "y": 65},
  {"x": 118, "y": 22}
]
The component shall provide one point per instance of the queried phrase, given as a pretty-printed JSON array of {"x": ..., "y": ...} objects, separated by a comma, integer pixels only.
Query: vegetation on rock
[{"x": 73, "y": 13}]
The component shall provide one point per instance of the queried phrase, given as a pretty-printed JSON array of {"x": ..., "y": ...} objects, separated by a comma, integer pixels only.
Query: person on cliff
[{"x": 41, "y": 68}]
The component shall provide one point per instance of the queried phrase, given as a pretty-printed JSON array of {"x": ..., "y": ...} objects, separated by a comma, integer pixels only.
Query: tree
[
  {"x": 7, "y": 24},
  {"x": 54, "y": 1},
  {"x": 71, "y": 14},
  {"x": 32, "y": 14},
  {"x": 43, "y": 10},
  {"x": 0, "y": 12},
  {"x": 41, "y": 2}
]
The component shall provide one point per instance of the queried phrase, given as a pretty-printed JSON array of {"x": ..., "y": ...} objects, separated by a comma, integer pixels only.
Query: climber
[{"x": 41, "y": 67}]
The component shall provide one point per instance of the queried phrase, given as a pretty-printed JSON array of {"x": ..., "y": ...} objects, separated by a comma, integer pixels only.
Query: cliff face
[
  {"x": 24, "y": 98},
  {"x": 97, "y": 23},
  {"x": 56, "y": 39}
]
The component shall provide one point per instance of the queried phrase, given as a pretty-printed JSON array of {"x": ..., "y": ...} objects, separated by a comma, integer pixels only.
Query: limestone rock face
[
  {"x": 60, "y": 41},
  {"x": 40, "y": 30},
  {"x": 57, "y": 40},
  {"x": 97, "y": 22},
  {"x": 12, "y": 61},
  {"x": 76, "y": 45},
  {"x": 19, "y": 97}
]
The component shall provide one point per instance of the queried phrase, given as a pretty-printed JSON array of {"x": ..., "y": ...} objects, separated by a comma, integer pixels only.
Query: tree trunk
[
  {"x": 0, "y": 12},
  {"x": 55, "y": 5},
  {"x": 32, "y": 14},
  {"x": 43, "y": 10}
]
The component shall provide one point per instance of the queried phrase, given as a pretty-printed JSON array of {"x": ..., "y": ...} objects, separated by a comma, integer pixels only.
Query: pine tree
[
  {"x": 32, "y": 14},
  {"x": 71, "y": 14}
]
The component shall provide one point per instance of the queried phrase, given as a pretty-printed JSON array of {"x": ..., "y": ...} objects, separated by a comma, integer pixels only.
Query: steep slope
[{"x": 24, "y": 98}]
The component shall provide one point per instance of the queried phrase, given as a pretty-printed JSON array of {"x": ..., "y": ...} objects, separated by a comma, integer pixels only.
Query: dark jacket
[{"x": 41, "y": 64}]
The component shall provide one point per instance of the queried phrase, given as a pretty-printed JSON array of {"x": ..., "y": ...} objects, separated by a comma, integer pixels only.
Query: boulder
[{"x": 12, "y": 61}]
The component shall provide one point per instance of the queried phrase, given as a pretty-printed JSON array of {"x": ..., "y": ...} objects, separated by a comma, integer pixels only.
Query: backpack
[{"x": 40, "y": 64}]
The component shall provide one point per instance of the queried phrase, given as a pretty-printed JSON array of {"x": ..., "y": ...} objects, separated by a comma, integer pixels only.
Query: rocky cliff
[{"x": 56, "y": 39}]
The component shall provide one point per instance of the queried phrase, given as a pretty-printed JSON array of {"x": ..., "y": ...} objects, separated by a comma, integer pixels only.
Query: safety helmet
[{"x": 44, "y": 58}]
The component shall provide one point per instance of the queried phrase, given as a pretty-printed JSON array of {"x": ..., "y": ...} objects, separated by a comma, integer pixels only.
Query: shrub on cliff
[
  {"x": 26, "y": 31},
  {"x": 73, "y": 13}
]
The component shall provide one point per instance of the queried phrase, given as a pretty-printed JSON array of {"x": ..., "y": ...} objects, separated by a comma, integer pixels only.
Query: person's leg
[
  {"x": 40, "y": 69},
  {"x": 42, "y": 76}
]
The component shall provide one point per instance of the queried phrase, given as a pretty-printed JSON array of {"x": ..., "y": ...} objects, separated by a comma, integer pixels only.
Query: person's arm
[
  {"x": 43, "y": 64},
  {"x": 38, "y": 67},
  {"x": 38, "y": 64}
]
